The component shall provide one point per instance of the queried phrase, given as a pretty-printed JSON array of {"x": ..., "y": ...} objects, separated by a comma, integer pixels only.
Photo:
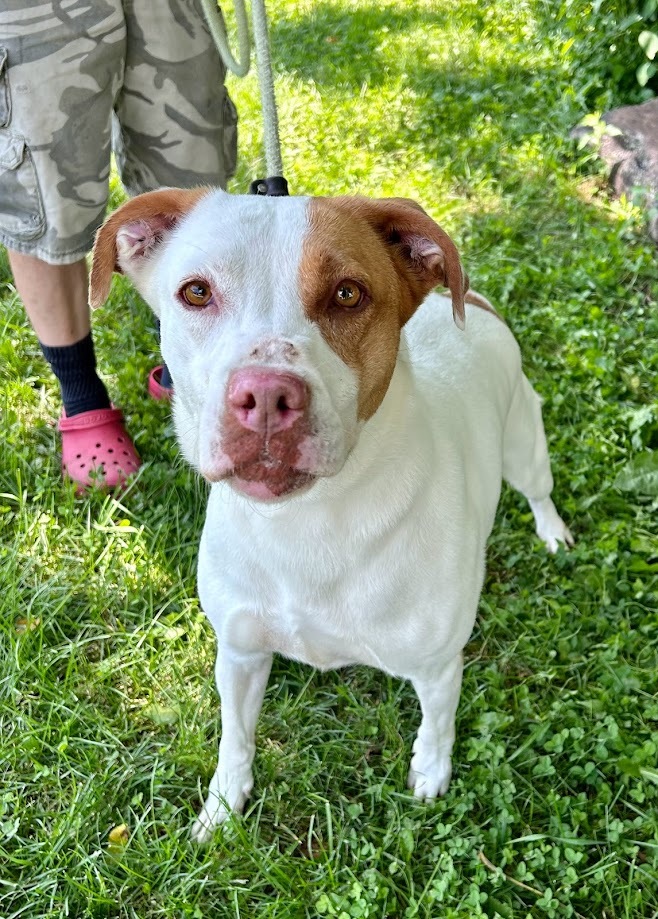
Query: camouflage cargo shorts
[{"x": 81, "y": 78}]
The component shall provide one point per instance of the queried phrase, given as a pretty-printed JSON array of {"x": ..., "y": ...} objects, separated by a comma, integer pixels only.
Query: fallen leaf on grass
[
  {"x": 119, "y": 836},
  {"x": 26, "y": 624},
  {"x": 161, "y": 714}
]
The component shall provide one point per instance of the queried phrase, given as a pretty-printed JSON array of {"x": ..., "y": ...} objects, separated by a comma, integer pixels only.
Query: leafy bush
[{"x": 610, "y": 46}]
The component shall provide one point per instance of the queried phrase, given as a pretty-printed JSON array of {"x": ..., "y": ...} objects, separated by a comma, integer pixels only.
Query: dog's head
[{"x": 280, "y": 319}]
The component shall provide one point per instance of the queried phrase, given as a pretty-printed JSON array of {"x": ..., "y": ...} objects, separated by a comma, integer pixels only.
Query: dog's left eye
[
  {"x": 348, "y": 294},
  {"x": 196, "y": 293}
]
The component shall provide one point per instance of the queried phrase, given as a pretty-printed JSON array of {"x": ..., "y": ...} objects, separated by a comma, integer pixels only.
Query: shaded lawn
[{"x": 108, "y": 711}]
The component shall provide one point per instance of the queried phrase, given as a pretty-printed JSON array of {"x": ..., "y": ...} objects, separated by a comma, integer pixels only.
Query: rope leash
[
  {"x": 275, "y": 185},
  {"x": 217, "y": 28}
]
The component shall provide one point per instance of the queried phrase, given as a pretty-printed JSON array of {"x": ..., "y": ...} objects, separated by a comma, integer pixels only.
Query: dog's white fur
[{"x": 381, "y": 561}]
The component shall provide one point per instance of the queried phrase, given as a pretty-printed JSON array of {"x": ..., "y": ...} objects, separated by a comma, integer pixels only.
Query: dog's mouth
[
  {"x": 265, "y": 468},
  {"x": 264, "y": 478},
  {"x": 269, "y": 480}
]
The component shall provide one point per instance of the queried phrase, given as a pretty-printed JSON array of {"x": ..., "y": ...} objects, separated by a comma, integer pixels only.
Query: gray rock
[{"x": 632, "y": 155}]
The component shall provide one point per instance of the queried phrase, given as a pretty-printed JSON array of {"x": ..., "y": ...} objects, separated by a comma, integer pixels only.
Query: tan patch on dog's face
[
  {"x": 395, "y": 254},
  {"x": 341, "y": 247}
]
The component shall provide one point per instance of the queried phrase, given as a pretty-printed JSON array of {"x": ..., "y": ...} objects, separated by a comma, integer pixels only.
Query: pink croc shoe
[
  {"x": 156, "y": 389},
  {"x": 96, "y": 449}
]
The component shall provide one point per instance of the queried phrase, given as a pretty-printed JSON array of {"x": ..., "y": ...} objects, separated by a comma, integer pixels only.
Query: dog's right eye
[{"x": 196, "y": 293}]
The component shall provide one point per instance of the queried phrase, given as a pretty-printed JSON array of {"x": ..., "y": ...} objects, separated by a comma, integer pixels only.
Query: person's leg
[
  {"x": 175, "y": 123},
  {"x": 54, "y": 296},
  {"x": 60, "y": 78},
  {"x": 55, "y": 299}
]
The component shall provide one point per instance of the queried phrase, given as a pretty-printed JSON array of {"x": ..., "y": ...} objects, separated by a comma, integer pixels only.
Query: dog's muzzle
[{"x": 266, "y": 440}]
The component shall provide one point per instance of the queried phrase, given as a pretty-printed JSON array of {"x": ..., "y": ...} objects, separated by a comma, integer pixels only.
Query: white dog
[{"x": 354, "y": 435}]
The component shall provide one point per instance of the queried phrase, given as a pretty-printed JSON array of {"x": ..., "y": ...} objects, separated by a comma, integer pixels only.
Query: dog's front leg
[
  {"x": 241, "y": 682},
  {"x": 431, "y": 766}
]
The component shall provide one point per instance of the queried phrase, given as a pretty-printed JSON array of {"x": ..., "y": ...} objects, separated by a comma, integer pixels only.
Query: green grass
[{"x": 107, "y": 707}]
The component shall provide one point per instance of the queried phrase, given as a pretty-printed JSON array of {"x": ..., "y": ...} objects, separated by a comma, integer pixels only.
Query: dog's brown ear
[
  {"x": 133, "y": 232},
  {"x": 423, "y": 253}
]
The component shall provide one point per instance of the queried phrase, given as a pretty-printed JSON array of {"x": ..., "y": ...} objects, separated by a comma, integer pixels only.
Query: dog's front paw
[
  {"x": 429, "y": 776},
  {"x": 206, "y": 823},
  {"x": 220, "y": 803}
]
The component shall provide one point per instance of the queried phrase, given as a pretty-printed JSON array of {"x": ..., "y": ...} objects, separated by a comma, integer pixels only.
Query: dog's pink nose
[{"x": 266, "y": 401}]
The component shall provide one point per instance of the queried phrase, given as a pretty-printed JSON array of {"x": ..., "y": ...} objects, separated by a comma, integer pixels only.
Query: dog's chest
[
  {"x": 323, "y": 602},
  {"x": 342, "y": 618},
  {"x": 312, "y": 641}
]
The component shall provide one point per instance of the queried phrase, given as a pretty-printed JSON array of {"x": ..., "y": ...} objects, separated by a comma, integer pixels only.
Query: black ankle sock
[{"x": 75, "y": 368}]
